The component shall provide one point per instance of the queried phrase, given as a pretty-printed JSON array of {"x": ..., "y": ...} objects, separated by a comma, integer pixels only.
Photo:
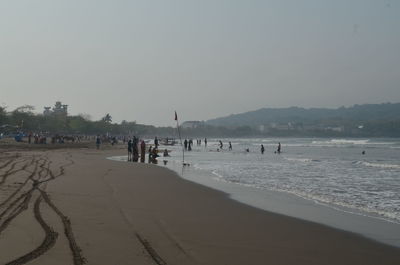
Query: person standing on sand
[
  {"x": 129, "y": 150},
  {"x": 98, "y": 142},
  {"x": 135, "y": 151},
  {"x": 279, "y": 148},
  {"x": 185, "y": 144},
  {"x": 142, "y": 151},
  {"x": 230, "y": 146},
  {"x": 262, "y": 149},
  {"x": 205, "y": 142}
]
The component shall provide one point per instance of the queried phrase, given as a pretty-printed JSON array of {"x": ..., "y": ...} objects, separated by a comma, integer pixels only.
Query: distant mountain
[{"x": 359, "y": 113}]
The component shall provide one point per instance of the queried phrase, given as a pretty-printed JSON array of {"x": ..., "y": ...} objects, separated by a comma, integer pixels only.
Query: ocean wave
[
  {"x": 378, "y": 165},
  {"x": 341, "y": 142},
  {"x": 338, "y": 203},
  {"x": 343, "y": 206},
  {"x": 303, "y": 160}
]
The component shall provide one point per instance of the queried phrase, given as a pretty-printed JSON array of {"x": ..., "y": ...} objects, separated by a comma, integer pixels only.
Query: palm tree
[{"x": 107, "y": 118}]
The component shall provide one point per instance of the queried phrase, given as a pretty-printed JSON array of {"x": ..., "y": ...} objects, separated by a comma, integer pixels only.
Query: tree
[
  {"x": 107, "y": 118},
  {"x": 23, "y": 117},
  {"x": 3, "y": 115},
  {"x": 85, "y": 116},
  {"x": 77, "y": 124},
  {"x": 25, "y": 109}
]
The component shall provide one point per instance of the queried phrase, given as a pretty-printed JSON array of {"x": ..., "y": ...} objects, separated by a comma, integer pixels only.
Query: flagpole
[{"x": 180, "y": 138}]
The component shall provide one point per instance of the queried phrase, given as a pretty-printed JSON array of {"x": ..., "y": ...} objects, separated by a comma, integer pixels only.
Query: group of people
[
  {"x": 41, "y": 138},
  {"x": 37, "y": 138},
  {"x": 262, "y": 149},
  {"x": 136, "y": 146},
  {"x": 187, "y": 144},
  {"x": 137, "y": 150},
  {"x": 278, "y": 150}
]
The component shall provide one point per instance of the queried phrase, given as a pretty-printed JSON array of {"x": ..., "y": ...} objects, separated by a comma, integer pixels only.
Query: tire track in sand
[
  {"x": 146, "y": 244},
  {"x": 12, "y": 171},
  {"x": 48, "y": 242},
  {"x": 150, "y": 250},
  {"x": 16, "y": 211},
  {"x": 76, "y": 250},
  {"x": 30, "y": 177},
  {"x": 50, "y": 235}
]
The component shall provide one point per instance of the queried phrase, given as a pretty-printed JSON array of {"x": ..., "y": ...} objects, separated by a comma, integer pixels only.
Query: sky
[{"x": 142, "y": 60}]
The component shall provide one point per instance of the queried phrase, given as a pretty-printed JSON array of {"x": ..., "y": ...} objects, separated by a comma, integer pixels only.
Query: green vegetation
[
  {"x": 356, "y": 113},
  {"x": 23, "y": 119},
  {"x": 368, "y": 120},
  {"x": 379, "y": 120}
]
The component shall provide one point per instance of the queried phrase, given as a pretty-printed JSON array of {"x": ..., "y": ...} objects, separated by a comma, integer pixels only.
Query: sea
[{"x": 351, "y": 184}]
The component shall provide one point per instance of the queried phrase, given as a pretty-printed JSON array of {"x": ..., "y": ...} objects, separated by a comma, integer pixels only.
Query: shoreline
[
  {"x": 292, "y": 205},
  {"x": 134, "y": 213}
]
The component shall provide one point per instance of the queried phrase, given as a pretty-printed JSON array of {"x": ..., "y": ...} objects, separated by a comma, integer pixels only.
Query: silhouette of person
[
  {"x": 156, "y": 142},
  {"x": 142, "y": 151},
  {"x": 129, "y": 150},
  {"x": 98, "y": 141}
]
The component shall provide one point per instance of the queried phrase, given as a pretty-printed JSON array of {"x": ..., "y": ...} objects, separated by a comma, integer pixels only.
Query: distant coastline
[{"x": 358, "y": 121}]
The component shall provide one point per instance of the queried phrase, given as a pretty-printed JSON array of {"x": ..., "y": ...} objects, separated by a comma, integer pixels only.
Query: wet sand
[{"x": 73, "y": 206}]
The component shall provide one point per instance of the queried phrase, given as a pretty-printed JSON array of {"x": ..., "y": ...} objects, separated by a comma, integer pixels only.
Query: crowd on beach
[
  {"x": 137, "y": 147},
  {"x": 44, "y": 137}
]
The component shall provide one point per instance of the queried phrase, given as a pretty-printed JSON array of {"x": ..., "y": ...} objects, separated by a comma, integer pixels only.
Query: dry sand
[{"x": 73, "y": 206}]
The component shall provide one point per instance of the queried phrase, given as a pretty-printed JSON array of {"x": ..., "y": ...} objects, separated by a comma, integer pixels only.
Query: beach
[{"x": 75, "y": 206}]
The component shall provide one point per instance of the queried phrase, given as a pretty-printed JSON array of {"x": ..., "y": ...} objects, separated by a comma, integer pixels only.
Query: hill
[{"x": 356, "y": 113}]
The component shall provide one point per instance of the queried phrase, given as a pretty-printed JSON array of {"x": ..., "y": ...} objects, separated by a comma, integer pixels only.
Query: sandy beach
[{"x": 73, "y": 206}]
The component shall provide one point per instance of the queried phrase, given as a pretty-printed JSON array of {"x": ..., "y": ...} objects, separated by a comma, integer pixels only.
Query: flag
[{"x": 176, "y": 116}]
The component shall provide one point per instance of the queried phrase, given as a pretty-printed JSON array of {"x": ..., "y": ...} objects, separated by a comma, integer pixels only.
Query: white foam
[
  {"x": 303, "y": 160},
  {"x": 341, "y": 142},
  {"x": 118, "y": 158},
  {"x": 392, "y": 217},
  {"x": 377, "y": 165}
]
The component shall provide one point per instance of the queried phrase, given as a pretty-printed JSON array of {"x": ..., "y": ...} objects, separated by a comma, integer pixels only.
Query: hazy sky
[{"x": 142, "y": 60}]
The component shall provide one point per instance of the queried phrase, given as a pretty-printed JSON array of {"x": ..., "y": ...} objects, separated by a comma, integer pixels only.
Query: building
[
  {"x": 192, "y": 124},
  {"x": 47, "y": 111}
]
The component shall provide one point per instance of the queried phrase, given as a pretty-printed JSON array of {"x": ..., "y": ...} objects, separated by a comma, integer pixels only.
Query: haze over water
[{"x": 129, "y": 57}]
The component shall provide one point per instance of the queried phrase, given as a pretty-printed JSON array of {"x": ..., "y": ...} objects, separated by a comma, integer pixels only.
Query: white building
[{"x": 192, "y": 124}]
